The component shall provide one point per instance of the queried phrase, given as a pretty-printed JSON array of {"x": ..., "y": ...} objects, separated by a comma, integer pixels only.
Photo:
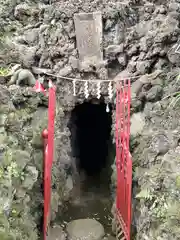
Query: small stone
[
  {"x": 109, "y": 238},
  {"x": 162, "y": 10},
  {"x": 154, "y": 93},
  {"x": 122, "y": 59},
  {"x": 65, "y": 71},
  {"x": 131, "y": 68},
  {"x": 21, "y": 158},
  {"x": 21, "y": 193},
  {"x": 161, "y": 64},
  {"x": 174, "y": 6},
  {"x": 2, "y": 80},
  {"x": 133, "y": 50},
  {"x": 30, "y": 178},
  {"x": 56, "y": 233},
  {"x": 173, "y": 57},
  {"x": 74, "y": 62},
  {"x": 136, "y": 88},
  {"x": 31, "y": 36},
  {"x": 108, "y": 24},
  {"x": 69, "y": 183},
  {"x": 102, "y": 73},
  {"x": 55, "y": 202},
  {"x": 37, "y": 141},
  {"x": 4, "y": 95},
  {"x": 143, "y": 66},
  {"x": 160, "y": 144},
  {"x": 27, "y": 55},
  {"x": 113, "y": 50},
  {"x": 136, "y": 105},
  {"x": 137, "y": 123},
  {"x": 3, "y": 118},
  {"x": 85, "y": 229},
  {"x": 22, "y": 10}
]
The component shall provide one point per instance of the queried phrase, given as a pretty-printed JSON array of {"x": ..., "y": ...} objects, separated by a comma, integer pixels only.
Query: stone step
[
  {"x": 81, "y": 229},
  {"x": 85, "y": 229}
]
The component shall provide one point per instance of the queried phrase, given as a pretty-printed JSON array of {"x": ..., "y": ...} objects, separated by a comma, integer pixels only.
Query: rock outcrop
[
  {"x": 138, "y": 41},
  {"x": 23, "y": 116}
]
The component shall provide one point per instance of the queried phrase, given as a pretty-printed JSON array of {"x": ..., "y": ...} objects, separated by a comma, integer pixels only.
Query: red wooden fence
[
  {"x": 123, "y": 160},
  {"x": 48, "y": 136}
]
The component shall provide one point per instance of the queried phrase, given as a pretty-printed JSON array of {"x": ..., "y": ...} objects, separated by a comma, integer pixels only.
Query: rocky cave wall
[
  {"x": 21, "y": 162},
  {"x": 23, "y": 116},
  {"x": 138, "y": 40}
]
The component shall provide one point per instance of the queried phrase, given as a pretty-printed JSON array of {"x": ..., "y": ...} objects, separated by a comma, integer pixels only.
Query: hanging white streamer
[
  {"x": 107, "y": 107},
  {"x": 50, "y": 84},
  {"x": 86, "y": 93},
  {"x": 98, "y": 90},
  {"x": 110, "y": 91},
  {"x": 110, "y": 95},
  {"x": 74, "y": 87}
]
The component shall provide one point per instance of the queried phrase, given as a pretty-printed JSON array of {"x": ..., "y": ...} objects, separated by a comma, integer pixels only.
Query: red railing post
[
  {"x": 123, "y": 160},
  {"x": 48, "y": 136},
  {"x": 45, "y": 141}
]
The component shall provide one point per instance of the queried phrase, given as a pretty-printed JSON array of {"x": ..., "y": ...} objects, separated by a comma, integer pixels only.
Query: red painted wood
[
  {"x": 45, "y": 137},
  {"x": 49, "y": 155},
  {"x": 39, "y": 87},
  {"x": 123, "y": 157},
  {"x": 48, "y": 136}
]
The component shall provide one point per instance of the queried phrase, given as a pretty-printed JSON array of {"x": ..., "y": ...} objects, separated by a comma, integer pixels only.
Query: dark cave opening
[
  {"x": 93, "y": 155},
  {"x": 91, "y": 136}
]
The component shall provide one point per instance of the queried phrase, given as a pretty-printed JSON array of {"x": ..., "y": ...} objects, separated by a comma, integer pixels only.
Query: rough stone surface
[
  {"x": 21, "y": 162},
  {"x": 138, "y": 39},
  {"x": 56, "y": 233},
  {"x": 109, "y": 238},
  {"x": 89, "y": 229},
  {"x": 137, "y": 124}
]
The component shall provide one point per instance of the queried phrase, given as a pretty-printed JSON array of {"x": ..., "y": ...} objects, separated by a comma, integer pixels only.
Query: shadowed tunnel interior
[{"x": 90, "y": 136}]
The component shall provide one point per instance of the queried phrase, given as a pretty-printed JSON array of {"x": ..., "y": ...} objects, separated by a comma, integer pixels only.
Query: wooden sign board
[{"x": 88, "y": 27}]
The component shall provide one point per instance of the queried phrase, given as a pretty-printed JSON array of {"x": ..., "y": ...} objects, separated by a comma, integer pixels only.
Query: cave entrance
[
  {"x": 93, "y": 154},
  {"x": 91, "y": 137}
]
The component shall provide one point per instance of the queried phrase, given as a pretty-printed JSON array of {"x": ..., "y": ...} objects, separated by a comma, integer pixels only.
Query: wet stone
[
  {"x": 56, "y": 233},
  {"x": 109, "y": 238},
  {"x": 85, "y": 229}
]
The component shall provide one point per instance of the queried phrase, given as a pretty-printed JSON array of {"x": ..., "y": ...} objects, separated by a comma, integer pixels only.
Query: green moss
[
  {"x": 37, "y": 140},
  {"x": 3, "y": 138},
  {"x": 7, "y": 158},
  {"x": 1, "y": 173},
  {"x": 178, "y": 182},
  {"x": 38, "y": 159},
  {"x": 5, "y": 235},
  {"x": 4, "y": 109},
  {"x": 4, "y": 71},
  {"x": 20, "y": 179},
  {"x": 18, "y": 223}
]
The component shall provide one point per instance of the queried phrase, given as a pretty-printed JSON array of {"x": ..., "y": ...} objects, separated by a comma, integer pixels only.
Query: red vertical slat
[
  {"x": 51, "y": 121},
  {"x": 45, "y": 138},
  {"x": 117, "y": 145},
  {"x": 48, "y": 155},
  {"x": 126, "y": 143},
  {"x": 129, "y": 166},
  {"x": 122, "y": 152},
  {"x": 123, "y": 157}
]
